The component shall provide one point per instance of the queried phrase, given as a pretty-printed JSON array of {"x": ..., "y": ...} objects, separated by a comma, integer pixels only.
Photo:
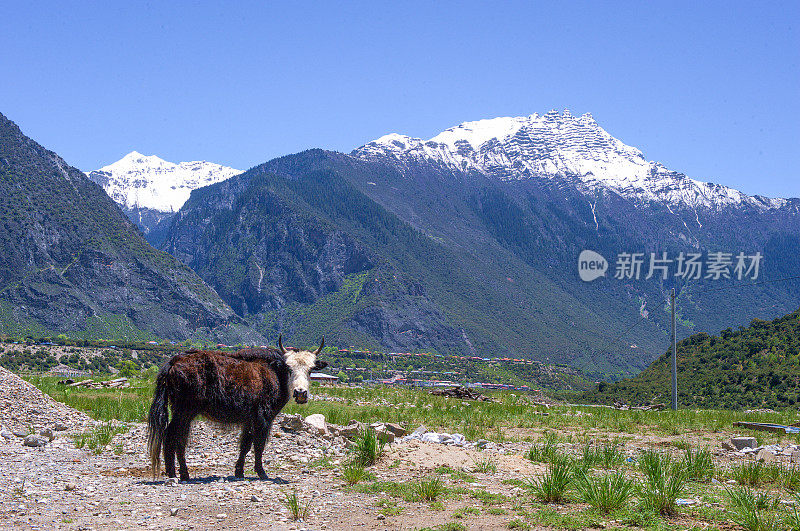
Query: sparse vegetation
[
  {"x": 605, "y": 493},
  {"x": 552, "y": 487},
  {"x": 297, "y": 509},
  {"x": 664, "y": 481}
]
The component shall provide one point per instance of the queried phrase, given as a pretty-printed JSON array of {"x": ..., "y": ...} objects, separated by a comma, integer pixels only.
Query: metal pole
[{"x": 674, "y": 356}]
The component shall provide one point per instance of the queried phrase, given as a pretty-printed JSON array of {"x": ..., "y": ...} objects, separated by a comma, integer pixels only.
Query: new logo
[{"x": 591, "y": 265}]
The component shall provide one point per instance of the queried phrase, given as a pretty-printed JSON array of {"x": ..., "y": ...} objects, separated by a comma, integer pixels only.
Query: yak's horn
[
  {"x": 322, "y": 344},
  {"x": 280, "y": 344}
]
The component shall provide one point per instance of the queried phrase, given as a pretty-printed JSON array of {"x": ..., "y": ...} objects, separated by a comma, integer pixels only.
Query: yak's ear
[{"x": 319, "y": 365}]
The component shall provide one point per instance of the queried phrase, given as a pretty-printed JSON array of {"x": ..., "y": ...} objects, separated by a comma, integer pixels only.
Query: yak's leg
[
  {"x": 169, "y": 449},
  {"x": 182, "y": 439},
  {"x": 261, "y": 429},
  {"x": 244, "y": 446}
]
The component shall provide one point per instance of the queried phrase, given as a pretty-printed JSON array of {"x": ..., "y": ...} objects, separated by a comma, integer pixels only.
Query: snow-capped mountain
[
  {"x": 147, "y": 181},
  {"x": 558, "y": 146}
]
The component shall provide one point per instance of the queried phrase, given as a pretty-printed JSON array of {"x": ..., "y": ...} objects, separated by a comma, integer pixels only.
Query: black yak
[{"x": 248, "y": 388}]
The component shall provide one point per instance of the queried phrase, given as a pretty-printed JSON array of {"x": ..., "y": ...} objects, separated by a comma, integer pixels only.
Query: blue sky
[{"x": 710, "y": 89}]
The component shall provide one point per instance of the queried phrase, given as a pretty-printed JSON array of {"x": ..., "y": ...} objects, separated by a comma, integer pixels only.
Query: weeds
[
  {"x": 699, "y": 464},
  {"x": 552, "y": 487},
  {"x": 486, "y": 466},
  {"x": 297, "y": 511},
  {"x": 605, "y": 493},
  {"x": 664, "y": 481},
  {"x": 354, "y": 473},
  {"x": 428, "y": 490},
  {"x": 748, "y": 474},
  {"x": 98, "y": 437},
  {"x": 753, "y": 511},
  {"x": 367, "y": 448}
]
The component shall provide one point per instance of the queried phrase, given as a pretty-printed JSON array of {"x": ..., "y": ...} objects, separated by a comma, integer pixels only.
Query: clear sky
[{"x": 708, "y": 88}]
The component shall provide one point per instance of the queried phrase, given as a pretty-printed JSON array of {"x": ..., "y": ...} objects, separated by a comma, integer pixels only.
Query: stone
[
  {"x": 740, "y": 443},
  {"x": 316, "y": 424},
  {"x": 60, "y": 426},
  {"x": 765, "y": 455},
  {"x": 421, "y": 430},
  {"x": 396, "y": 429},
  {"x": 70, "y": 487},
  {"x": 256, "y": 499},
  {"x": 351, "y": 430},
  {"x": 728, "y": 446},
  {"x": 385, "y": 437},
  {"x": 292, "y": 422},
  {"x": 481, "y": 444},
  {"x": 171, "y": 482},
  {"x": 173, "y": 511},
  {"x": 47, "y": 433},
  {"x": 34, "y": 441},
  {"x": 6, "y": 434}
]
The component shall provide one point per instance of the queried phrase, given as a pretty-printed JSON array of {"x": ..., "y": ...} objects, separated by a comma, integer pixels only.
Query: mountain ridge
[{"x": 561, "y": 146}]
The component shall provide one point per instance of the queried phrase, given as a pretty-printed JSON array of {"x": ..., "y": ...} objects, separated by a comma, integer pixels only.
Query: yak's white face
[{"x": 301, "y": 363}]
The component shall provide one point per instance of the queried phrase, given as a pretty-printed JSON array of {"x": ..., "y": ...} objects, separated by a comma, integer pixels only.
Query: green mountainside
[
  {"x": 74, "y": 264},
  {"x": 756, "y": 366}
]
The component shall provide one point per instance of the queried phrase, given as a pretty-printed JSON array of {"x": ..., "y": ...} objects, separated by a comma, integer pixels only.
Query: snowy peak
[
  {"x": 556, "y": 146},
  {"x": 148, "y": 181}
]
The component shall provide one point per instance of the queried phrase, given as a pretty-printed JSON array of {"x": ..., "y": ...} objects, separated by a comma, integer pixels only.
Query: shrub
[
  {"x": 605, "y": 493},
  {"x": 664, "y": 481}
]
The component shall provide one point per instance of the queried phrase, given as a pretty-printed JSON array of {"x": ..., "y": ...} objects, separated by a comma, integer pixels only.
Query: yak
[{"x": 246, "y": 388}]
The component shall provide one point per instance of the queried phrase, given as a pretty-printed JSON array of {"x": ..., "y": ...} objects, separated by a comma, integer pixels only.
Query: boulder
[
  {"x": 741, "y": 443},
  {"x": 351, "y": 430},
  {"x": 316, "y": 424},
  {"x": 292, "y": 422},
  {"x": 34, "y": 441},
  {"x": 420, "y": 431},
  {"x": 765, "y": 455},
  {"x": 396, "y": 429},
  {"x": 385, "y": 436}
]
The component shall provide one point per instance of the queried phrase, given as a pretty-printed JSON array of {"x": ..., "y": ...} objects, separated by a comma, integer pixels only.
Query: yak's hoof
[
  {"x": 262, "y": 476},
  {"x": 238, "y": 474}
]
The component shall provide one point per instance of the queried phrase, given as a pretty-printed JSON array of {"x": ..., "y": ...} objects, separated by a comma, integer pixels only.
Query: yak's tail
[{"x": 158, "y": 419}]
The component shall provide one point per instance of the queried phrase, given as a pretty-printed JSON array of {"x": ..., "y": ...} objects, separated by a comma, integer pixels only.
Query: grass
[
  {"x": 297, "y": 510},
  {"x": 552, "y": 487},
  {"x": 486, "y": 466},
  {"x": 699, "y": 464},
  {"x": 388, "y": 507},
  {"x": 353, "y": 473},
  {"x": 608, "y": 455},
  {"x": 428, "y": 489},
  {"x": 753, "y": 511},
  {"x": 664, "y": 482},
  {"x": 605, "y": 493},
  {"x": 751, "y": 474},
  {"x": 367, "y": 448},
  {"x": 99, "y": 437}
]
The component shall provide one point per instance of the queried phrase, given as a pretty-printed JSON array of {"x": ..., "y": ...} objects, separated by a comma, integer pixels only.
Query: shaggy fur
[{"x": 247, "y": 388}]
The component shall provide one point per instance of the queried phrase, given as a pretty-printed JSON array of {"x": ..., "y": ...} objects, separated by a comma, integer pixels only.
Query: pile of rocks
[
  {"x": 28, "y": 414},
  {"x": 749, "y": 447}
]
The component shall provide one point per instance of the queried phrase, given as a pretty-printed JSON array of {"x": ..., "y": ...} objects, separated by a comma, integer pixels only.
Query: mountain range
[
  {"x": 466, "y": 243},
  {"x": 74, "y": 264},
  {"x": 150, "y": 189}
]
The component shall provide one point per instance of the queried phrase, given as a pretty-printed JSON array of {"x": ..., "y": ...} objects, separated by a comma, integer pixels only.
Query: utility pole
[{"x": 674, "y": 355}]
